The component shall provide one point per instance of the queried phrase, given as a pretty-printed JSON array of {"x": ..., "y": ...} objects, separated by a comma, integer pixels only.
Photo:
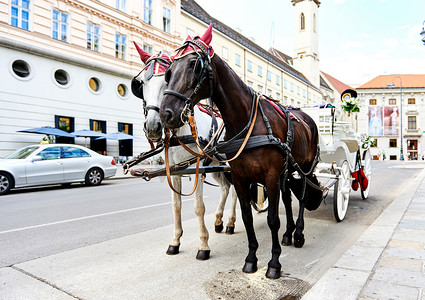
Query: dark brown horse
[{"x": 198, "y": 73}]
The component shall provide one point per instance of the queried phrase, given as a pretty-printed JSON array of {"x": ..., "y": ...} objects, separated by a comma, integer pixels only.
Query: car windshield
[{"x": 22, "y": 153}]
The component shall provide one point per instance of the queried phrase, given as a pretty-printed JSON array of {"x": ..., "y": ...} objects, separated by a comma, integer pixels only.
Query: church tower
[{"x": 306, "y": 50}]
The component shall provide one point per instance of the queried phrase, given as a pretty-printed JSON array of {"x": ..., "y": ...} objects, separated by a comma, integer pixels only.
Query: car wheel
[
  {"x": 6, "y": 183},
  {"x": 94, "y": 176}
]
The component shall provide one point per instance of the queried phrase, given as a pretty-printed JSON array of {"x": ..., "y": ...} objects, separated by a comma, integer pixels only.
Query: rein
[{"x": 205, "y": 72}]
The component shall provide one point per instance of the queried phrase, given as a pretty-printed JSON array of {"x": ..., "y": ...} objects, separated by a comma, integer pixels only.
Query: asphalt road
[{"x": 39, "y": 222}]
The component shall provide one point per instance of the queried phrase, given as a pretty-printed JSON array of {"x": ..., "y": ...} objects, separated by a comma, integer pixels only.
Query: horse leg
[
  {"x": 290, "y": 224},
  {"x": 224, "y": 188},
  {"x": 298, "y": 235},
  {"x": 242, "y": 189},
  {"x": 198, "y": 204},
  {"x": 230, "y": 228},
  {"x": 274, "y": 266},
  {"x": 174, "y": 246}
]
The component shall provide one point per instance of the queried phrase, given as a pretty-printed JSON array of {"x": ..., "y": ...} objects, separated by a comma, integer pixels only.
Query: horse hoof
[
  {"x": 219, "y": 228},
  {"x": 250, "y": 267},
  {"x": 299, "y": 243},
  {"x": 173, "y": 250},
  {"x": 203, "y": 254},
  {"x": 230, "y": 230},
  {"x": 273, "y": 273},
  {"x": 286, "y": 241}
]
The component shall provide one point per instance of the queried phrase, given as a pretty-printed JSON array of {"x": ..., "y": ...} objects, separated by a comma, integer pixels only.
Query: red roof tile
[
  {"x": 407, "y": 81},
  {"x": 340, "y": 86}
]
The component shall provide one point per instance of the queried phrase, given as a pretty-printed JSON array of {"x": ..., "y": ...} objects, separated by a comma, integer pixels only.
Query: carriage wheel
[
  {"x": 342, "y": 192},
  {"x": 367, "y": 169}
]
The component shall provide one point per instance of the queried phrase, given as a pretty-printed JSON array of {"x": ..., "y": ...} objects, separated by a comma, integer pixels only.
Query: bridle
[
  {"x": 202, "y": 71},
  {"x": 137, "y": 86}
]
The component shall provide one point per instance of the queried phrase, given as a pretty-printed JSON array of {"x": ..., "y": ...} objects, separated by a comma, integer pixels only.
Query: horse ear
[
  {"x": 207, "y": 37},
  {"x": 143, "y": 54}
]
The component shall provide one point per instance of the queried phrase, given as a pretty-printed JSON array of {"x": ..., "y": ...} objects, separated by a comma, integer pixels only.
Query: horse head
[
  {"x": 189, "y": 80},
  {"x": 149, "y": 85}
]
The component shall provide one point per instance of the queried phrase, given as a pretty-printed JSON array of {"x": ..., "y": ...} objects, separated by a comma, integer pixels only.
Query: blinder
[
  {"x": 167, "y": 75},
  {"x": 137, "y": 87}
]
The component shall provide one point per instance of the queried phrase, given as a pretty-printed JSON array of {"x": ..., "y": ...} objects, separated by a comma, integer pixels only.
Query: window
[
  {"x": 269, "y": 93},
  {"x": 392, "y": 101},
  {"x": 260, "y": 71},
  {"x": 50, "y": 153},
  {"x": 372, "y": 101},
  {"x": 298, "y": 90},
  {"x": 269, "y": 76},
  {"x": 94, "y": 84},
  {"x": 260, "y": 89},
  {"x": 277, "y": 96},
  {"x": 285, "y": 100},
  {"x": 411, "y": 122},
  {"x": 374, "y": 143},
  {"x": 60, "y": 26},
  {"x": 147, "y": 12},
  {"x": 93, "y": 36},
  {"x": 302, "y": 21},
  {"x": 285, "y": 84},
  {"x": 225, "y": 53},
  {"x": 73, "y": 152},
  {"x": 21, "y": 68},
  {"x": 61, "y": 77},
  {"x": 120, "y": 46},
  {"x": 277, "y": 79},
  {"x": 125, "y": 146},
  {"x": 393, "y": 143},
  {"x": 190, "y": 32},
  {"x": 148, "y": 48},
  {"x": 122, "y": 90},
  {"x": 292, "y": 87},
  {"x": 20, "y": 14},
  {"x": 411, "y": 101},
  {"x": 249, "y": 66},
  {"x": 249, "y": 83},
  {"x": 237, "y": 59},
  {"x": 66, "y": 124},
  {"x": 166, "y": 19},
  {"x": 120, "y": 4},
  {"x": 98, "y": 126},
  {"x": 304, "y": 93}
]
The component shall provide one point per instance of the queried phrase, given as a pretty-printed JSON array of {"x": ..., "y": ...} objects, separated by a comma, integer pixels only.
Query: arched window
[
  {"x": 314, "y": 22},
  {"x": 302, "y": 23}
]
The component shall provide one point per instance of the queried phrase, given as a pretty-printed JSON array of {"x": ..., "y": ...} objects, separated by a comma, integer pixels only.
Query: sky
[{"x": 358, "y": 39}]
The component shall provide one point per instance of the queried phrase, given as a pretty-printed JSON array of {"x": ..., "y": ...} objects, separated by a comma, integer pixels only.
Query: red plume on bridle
[
  {"x": 207, "y": 37},
  {"x": 143, "y": 54}
]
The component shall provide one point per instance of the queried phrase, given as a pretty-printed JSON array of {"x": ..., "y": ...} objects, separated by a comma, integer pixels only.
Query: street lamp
[
  {"x": 423, "y": 32},
  {"x": 401, "y": 114}
]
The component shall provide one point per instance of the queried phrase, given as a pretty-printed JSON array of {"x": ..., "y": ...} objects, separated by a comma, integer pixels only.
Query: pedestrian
[{"x": 383, "y": 154}]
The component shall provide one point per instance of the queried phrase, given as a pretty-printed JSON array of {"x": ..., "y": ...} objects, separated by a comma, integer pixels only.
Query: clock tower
[{"x": 306, "y": 50}]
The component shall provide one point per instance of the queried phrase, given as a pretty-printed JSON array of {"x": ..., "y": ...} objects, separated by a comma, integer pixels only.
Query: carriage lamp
[
  {"x": 401, "y": 115},
  {"x": 423, "y": 32}
]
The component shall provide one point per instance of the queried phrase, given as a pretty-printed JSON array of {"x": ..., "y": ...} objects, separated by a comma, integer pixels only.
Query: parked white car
[{"x": 54, "y": 164}]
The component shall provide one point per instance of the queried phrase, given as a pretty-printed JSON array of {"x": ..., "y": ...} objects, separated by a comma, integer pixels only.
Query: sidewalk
[{"x": 388, "y": 260}]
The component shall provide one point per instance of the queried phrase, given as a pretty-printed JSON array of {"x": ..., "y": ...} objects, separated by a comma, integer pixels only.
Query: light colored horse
[{"x": 150, "y": 85}]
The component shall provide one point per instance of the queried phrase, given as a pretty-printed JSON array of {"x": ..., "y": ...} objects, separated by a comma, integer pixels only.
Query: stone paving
[{"x": 388, "y": 260}]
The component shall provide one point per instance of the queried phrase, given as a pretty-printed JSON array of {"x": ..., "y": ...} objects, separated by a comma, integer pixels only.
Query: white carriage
[{"x": 342, "y": 153}]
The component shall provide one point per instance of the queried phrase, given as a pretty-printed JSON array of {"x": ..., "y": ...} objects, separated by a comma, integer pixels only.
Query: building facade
[
  {"x": 69, "y": 63},
  {"x": 392, "y": 106}
]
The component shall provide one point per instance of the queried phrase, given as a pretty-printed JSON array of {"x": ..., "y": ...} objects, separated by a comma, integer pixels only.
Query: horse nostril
[{"x": 168, "y": 115}]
